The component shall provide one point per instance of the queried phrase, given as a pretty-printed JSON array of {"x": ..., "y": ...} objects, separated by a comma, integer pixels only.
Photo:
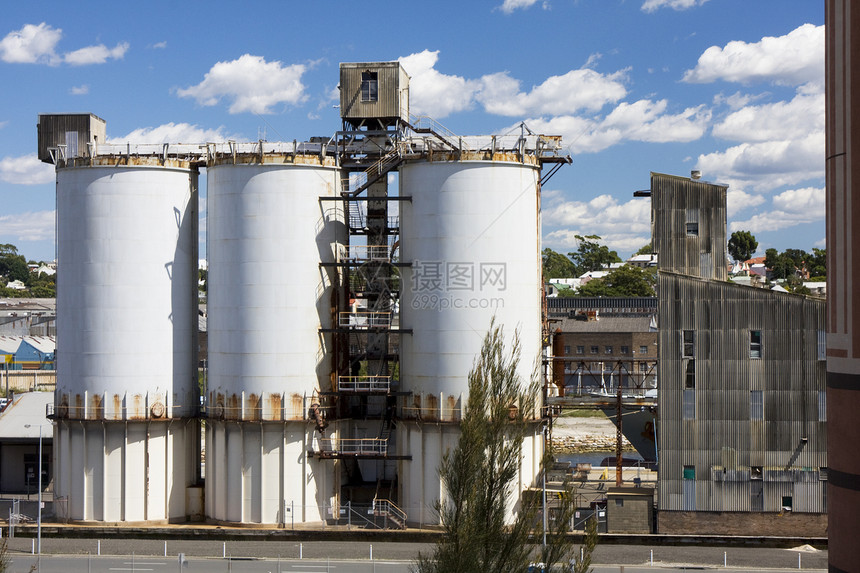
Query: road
[{"x": 82, "y": 555}]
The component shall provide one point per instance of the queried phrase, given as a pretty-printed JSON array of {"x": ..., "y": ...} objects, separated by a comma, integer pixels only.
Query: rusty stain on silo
[
  {"x": 275, "y": 407},
  {"x": 430, "y": 411},
  {"x": 96, "y": 409},
  {"x": 296, "y": 407},
  {"x": 232, "y": 411},
  {"x": 253, "y": 412}
]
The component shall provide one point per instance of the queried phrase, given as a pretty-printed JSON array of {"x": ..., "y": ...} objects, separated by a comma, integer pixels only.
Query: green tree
[
  {"x": 817, "y": 263},
  {"x": 479, "y": 475},
  {"x": 645, "y": 249},
  {"x": 780, "y": 266},
  {"x": 623, "y": 281},
  {"x": 742, "y": 245},
  {"x": 590, "y": 255},
  {"x": 556, "y": 265}
]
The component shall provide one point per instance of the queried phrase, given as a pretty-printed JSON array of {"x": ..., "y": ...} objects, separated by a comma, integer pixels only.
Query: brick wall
[{"x": 742, "y": 523}]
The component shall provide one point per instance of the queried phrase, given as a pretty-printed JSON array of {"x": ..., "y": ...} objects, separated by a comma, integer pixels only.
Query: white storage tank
[
  {"x": 471, "y": 232},
  {"x": 268, "y": 298},
  {"x": 127, "y": 443}
]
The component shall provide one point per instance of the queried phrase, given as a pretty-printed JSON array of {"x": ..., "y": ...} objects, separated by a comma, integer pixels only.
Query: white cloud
[
  {"x": 159, "y": 45},
  {"x": 558, "y": 95},
  {"x": 791, "y": 208},
  {"x": 809, "y": 200},
  {"x": 31, "y": 226},
  {"x": 253, "y": 84},
  {"x": 37, "y": 44},
  {"x": 770, "y": 164},
  {"x": 173, "y": 133},
  {"x": 622, "y": 226},
  {"x": 653, "y": 5},
  {"x": 80, "y": 90},
  {"x": 781, "y": 120},
  {"x": 96, "y": 54},
  {"x": 643, "y": 120},
  {"x": 738, "y": 201},
  {"x": 31, "y": 45},
  {"x": 433, "y": 93},
  {"x": 25, "y": 170},
  {"x": 510, "y": 5},
  {"x": 793, "y": 59}
]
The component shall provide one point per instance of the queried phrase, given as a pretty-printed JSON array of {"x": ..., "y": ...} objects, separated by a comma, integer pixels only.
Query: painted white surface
[
  {"x": 466, "y": 220},
  {"x": 126, "y": 293},
  {"x": 268, "y": 296}
]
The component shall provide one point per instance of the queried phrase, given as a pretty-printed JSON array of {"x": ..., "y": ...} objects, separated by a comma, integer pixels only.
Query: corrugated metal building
[{"x": 742, "y": 379}]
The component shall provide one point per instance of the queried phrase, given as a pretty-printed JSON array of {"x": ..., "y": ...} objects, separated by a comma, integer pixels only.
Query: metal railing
[
  {"x": 372, "y": 319},
  {"x": 364, "y": 383},
  {"x": 387, "y": 509},
  {"x": 371, "y": 446},
  {"x": 366, "y": 253}
]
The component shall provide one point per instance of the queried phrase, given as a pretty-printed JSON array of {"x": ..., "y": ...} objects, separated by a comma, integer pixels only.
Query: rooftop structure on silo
[
  {"x": 69, "y": 135},
  {"x": 374, "y": 92}
]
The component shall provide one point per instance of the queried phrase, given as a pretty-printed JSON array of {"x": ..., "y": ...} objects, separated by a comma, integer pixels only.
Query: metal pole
[
  {"x": 39, "y": 518},
  {"x": 543, "y": 473}
]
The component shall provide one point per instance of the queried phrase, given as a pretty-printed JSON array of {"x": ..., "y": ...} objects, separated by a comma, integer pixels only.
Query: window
[
  {"x": 822, "y": 345},
  {"x": 625, "y": 350},
  {"x": 689, "y": 490},
  {"x": 755, "y": 343},
  {"x": 689, "y": 405},
  {"x": 643, "y": 350},
  {"x": 757, "y": 495},
  {"x": 688, "y": 343},
  {"x": 608, "y": 350},
  {"x": 643, "y": 367},
  {"x": 369, "y": 86},
  {"x": 580, "y": 349},
  {"x": 693, "y": 229},
  {"x": 756, "y": 405},
  {"x": 595, "y": 349},
  {"x": 787, "y": 503},
  {"x": 690, "y": 374},
  {"x": 822, "y": 405},
  {"x": 566, "y": 350}
]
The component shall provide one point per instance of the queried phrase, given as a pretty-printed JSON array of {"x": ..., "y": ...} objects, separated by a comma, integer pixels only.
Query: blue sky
[{"x": 734, "y": 88}]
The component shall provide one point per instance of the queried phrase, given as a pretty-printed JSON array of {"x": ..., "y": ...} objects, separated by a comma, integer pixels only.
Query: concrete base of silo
[
  {"x": 261, "y": 473},
  {"x": 124, "y": 472},
  {"x": 427, "y": 442}
]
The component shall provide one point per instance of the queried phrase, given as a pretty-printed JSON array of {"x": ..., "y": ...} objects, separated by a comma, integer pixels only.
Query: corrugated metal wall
[
  {"x": 392, "y": 91},
  {"x": 678, "y": 206},
  {"x": 720, "y": 440},
  {"x": 71, "y": 130}
]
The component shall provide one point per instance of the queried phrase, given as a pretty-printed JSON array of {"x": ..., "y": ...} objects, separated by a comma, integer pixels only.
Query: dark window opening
[
  {"x": 756, "y": 405},
  {"x": 688, "y": 340},
  {"x": 693, "y": 229},
  {"x": 690, "y": 374},
  {"x": 755, "y": 343},
  {"x": 369, "y": 86}
]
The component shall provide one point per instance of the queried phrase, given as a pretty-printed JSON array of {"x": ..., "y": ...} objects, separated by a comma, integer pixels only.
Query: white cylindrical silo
[
  {"x": 127, "y": 443},
  {"x": 471, "y": 233},
  {"x": 268, "y": 298}
]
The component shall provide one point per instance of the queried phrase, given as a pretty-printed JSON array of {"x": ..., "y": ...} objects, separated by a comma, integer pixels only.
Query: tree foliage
[
  {"x": 479, "y": 475},
  {"x": 742, "y": 245},
  {"x": 556, "y": 265},
  {"x": 645, "y": 250},
  {"x": 590, "y": 255},
  {"x": 623, "y": 281}
]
